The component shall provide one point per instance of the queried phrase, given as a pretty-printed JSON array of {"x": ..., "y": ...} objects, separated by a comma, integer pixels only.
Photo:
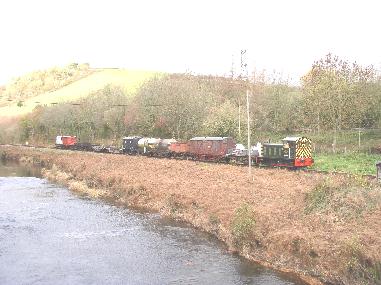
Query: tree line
[{"x": 334, "y": 95}]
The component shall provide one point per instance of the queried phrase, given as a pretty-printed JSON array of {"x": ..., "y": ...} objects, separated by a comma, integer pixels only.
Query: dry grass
[
  {"x": 290, "y": 220},
  {"x": 346, "y": 198}
]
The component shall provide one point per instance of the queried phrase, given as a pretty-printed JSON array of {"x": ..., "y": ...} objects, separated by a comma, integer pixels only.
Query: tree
[
  {"x": 339, "y": 95},
  {"x": 222, "y": 121},
  {"x": 171, "y": 106}
]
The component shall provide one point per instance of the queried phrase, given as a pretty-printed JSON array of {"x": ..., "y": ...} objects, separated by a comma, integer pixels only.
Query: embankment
[{"x": 315, "y": 225}]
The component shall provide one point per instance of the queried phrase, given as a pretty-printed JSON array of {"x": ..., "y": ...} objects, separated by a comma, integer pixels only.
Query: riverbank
[{"x": 321, "y": 227}]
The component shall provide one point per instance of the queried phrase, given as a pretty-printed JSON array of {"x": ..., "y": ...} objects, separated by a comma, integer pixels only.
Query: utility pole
[
  {"x": 244, "y": 74},
  {"x": 239, "y": 118},
  {"x": 248, "y": 131},
  {"x": 359, "y": 135},
  {"x": 238, "y": 99}
]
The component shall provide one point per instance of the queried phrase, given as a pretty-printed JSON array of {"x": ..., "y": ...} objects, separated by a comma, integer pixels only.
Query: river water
[{"x": 48, "y": 235}]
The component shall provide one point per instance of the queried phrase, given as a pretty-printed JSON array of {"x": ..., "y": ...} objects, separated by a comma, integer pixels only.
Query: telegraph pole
[
  {"x": 248, "y": 131},
  {"x": 238, "y": 99},
  {"x": 359, "y": 135},
  {"x": 244, "y": 74}
]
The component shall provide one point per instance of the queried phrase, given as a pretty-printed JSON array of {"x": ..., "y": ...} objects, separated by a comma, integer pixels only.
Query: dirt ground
[{"x": 267, "y": 218}]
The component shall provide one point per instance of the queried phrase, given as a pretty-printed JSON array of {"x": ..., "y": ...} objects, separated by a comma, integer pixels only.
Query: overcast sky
[{"x": 178, "y": 36}]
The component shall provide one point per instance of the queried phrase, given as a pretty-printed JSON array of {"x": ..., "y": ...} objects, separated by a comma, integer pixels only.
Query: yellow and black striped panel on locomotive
[{"x": 303, "y": 153}]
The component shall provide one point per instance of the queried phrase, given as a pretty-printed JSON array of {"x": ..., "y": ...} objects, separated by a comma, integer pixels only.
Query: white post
[
  {"x": 239, "y": 120},
  {"x": 378, "y": 166},
  {"x": 359, "y": 138},
  {"x": 248, "y": 131}
]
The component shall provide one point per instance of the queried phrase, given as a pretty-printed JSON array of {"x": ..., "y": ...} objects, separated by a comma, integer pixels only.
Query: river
[{"x": 49, "y": 235}]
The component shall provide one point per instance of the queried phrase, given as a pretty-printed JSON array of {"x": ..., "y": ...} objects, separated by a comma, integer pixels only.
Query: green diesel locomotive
[{"x": 292, "y": 152}]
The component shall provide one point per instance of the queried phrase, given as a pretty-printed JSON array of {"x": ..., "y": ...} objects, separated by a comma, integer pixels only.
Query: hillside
[
  {"x": 128, "y": 80},
  {"x": 41, "y": 81}
]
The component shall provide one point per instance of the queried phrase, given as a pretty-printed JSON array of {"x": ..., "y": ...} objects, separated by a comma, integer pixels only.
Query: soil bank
[{"x": 268, "y": 219}]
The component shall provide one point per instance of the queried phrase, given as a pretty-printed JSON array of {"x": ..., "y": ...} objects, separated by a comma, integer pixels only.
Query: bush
[
  {"x": 242, "y": 224},
  {"x": 318, "y": 199},
  {"x": 364, "y": 269}
]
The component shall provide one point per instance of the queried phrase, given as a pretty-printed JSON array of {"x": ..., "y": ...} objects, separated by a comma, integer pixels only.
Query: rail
[{"x": 368, "y": 176}]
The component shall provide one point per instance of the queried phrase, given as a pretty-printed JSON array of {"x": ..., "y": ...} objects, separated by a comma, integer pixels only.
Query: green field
[
  {"x": 355, "y": 163},
  {"x": 129, "y": 80}
]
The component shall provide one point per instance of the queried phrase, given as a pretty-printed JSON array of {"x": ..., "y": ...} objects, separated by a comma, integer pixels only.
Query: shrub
[
  {"x": 214, "y": 220},
  {"x": 318, "y": 198},
  {"x": 364, "y": 269},
  {"x": 242, "y": 224},
  {"x": 175, "y": 207}
]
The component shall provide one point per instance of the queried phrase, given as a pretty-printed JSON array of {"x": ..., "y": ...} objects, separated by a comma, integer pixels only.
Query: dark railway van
[
  {"x": 211, "y": 148},
  {"x": 130, "y": 145}
]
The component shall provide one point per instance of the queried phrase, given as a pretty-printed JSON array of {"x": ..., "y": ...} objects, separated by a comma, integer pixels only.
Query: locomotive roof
[
  {"x": 208, "y": 138},
  {"x": 293, "y": 139},
  {"x": 272, "y": 144},
  {"x": 67, "y": 136},
  {"x": 131, "y": 137}
]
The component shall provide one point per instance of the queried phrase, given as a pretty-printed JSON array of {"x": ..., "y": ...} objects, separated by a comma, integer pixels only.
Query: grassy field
[
  {"x": 347, "y": 141},
  {"x": 129, "y": 80},
  {"x": 350, "y": 157},
  {"x": 355, "y": 163}
]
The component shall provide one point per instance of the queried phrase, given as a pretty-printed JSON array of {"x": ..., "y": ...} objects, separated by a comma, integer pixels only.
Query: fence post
[{"x": 378, "y": 165}]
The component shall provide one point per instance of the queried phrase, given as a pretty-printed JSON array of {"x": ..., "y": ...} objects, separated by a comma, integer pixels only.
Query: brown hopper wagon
[{"x": 210, "y": 148}]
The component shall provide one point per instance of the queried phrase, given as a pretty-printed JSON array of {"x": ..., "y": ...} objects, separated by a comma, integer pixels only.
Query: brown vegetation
[{"x": 326, "y": 227}]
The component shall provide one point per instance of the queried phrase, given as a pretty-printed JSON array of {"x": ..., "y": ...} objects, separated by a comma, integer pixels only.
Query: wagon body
[
  {"x": 210, "y": 147},
  {"x": 130, "y": 144},
  {"x": 164, "y": 145},
  {"x": 66, "y": 141},
  {"x": 148, "y": 145},
  {"x": 179, "y": 147}
]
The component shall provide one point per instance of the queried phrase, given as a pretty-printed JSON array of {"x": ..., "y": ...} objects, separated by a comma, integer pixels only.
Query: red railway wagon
[
  {"x": 66, "y": 141},
  {"x": 210, "y": 148},
  {"x": 179, "y": 147}
]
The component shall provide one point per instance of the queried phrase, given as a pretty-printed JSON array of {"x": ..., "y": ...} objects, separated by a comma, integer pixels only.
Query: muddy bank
[{"x": 316, "y": 226}]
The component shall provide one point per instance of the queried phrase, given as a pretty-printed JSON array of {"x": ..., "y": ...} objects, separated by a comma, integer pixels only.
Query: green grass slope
[
  {"x": 129, "y": 80},
  {"x": 354, "y": 163}
]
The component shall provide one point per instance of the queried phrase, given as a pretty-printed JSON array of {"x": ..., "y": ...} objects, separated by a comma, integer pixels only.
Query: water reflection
[{"x": 13, "y": 169}]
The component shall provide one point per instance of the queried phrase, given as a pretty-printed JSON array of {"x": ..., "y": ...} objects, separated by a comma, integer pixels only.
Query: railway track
[{"x": 367, "y": 176}]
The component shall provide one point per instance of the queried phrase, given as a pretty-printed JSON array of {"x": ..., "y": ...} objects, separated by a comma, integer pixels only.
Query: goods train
[{"x": 292, "y": 152}]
